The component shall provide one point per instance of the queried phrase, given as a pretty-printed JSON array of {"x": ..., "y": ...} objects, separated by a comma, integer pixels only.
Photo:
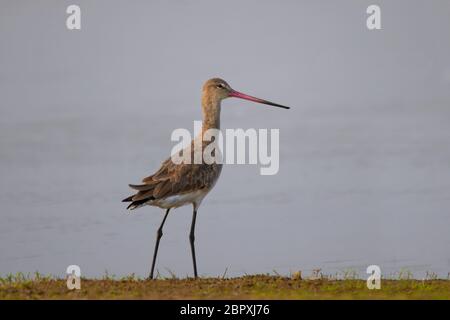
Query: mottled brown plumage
[
  {"x": 175, "y": 179},
  {"x": 181, "y": 179}
]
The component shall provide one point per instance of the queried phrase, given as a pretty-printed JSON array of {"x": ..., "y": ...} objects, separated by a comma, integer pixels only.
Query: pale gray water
[{"x": 365, "y": 150}]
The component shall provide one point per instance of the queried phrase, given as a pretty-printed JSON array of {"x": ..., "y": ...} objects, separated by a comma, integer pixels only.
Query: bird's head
[{"x": 216, "y": 89}]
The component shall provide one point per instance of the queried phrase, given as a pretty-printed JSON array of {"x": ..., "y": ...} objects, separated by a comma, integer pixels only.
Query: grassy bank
[{"x": 248, "y": 287}]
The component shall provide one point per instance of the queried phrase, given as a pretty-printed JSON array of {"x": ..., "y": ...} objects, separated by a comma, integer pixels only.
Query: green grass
[{"x": 21, "y": 286}]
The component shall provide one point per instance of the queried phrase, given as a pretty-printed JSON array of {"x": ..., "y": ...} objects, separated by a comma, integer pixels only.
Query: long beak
[{"x": 241, "y": 95}]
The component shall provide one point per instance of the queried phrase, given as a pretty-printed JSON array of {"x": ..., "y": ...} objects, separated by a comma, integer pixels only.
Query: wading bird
[{"x": 176, "y": 185}]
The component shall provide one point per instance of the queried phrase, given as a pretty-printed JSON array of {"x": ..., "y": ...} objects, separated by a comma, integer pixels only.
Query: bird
[{"x": 178, "y": 184}]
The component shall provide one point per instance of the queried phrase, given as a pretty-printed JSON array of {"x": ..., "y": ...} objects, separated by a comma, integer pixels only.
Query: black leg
[
  {"x": 159, "y": 234},
  {"x": 192, "y": 239}
]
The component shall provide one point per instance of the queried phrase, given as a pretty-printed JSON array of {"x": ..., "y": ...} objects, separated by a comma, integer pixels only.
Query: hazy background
[{"x": 365, "y": 150}]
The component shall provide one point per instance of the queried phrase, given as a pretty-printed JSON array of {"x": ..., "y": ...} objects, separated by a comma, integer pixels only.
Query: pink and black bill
[{"x": 240, "y": 95}]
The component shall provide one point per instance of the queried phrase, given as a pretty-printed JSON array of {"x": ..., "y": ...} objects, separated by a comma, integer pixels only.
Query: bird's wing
[{"x": 174, "y": 179}]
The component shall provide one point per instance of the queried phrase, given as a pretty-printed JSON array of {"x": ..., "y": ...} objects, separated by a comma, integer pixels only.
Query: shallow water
[
  {"x": 364, "y": 163},
  {"x": 354, "y": 189}
]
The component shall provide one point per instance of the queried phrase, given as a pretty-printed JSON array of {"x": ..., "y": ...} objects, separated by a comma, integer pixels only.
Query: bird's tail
[{"x": 144, "y": 195}]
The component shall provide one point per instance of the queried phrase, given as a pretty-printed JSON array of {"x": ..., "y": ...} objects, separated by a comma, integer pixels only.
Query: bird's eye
[{"x": 220, "y": 86}]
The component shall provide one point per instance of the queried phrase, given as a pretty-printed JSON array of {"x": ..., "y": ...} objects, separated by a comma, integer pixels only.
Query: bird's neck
[{"x": 211, "y": 113}]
